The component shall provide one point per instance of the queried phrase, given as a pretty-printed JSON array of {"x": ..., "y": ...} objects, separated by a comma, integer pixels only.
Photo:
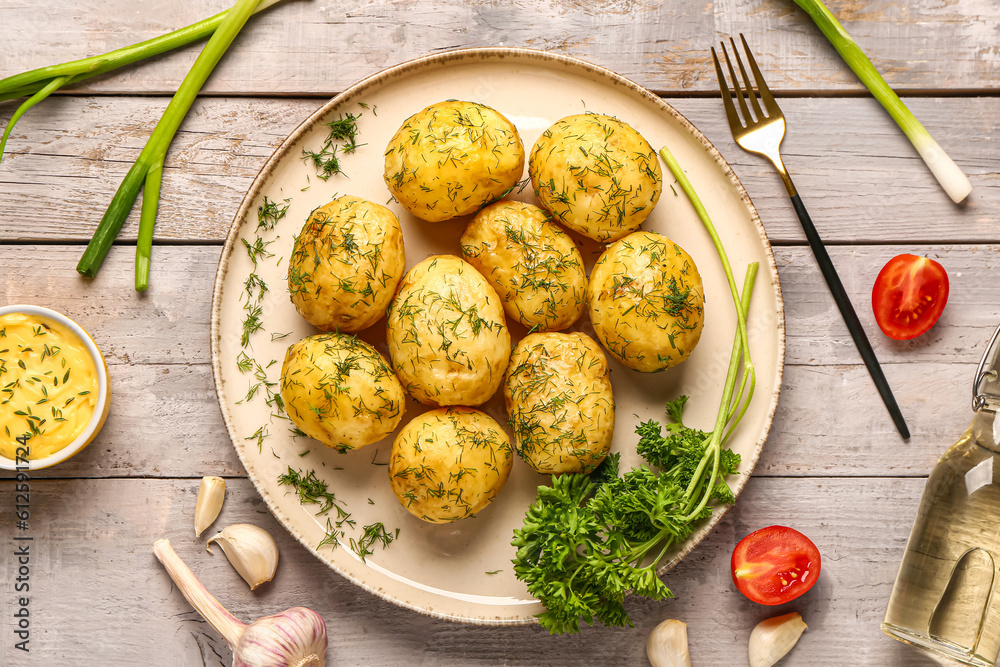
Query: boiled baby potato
[
  {"x": 558, "y": 396},
  {"x": 532, "y": 264},
  {"x": 345, "y": 264},
  {"x": 340, "y": 391},
  {"x": 447, "y": 336},
  {"x": 449, "y": 463},
  {"x": 451, "y": 158},
  {"x": 596, "y": 175},
  {"x": 646, "y": 302}
]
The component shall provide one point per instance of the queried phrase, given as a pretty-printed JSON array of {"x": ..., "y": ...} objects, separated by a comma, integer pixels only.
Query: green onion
[
  {"x": 949, "y": 175},
  {"x": 733, "y": 407},
  {"x": 41, "y": 82},
  {"x": 148, "y": 168}
]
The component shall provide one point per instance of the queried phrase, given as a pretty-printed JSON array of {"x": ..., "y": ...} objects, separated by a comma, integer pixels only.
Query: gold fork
[{"x": 761, "y": 132}]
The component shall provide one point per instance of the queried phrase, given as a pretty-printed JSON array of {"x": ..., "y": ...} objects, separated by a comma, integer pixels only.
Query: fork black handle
[{"x": 850, "y": 316}]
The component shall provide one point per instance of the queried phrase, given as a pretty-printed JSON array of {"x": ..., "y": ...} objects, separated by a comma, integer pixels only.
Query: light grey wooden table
[{"x": 832, "y": 467}]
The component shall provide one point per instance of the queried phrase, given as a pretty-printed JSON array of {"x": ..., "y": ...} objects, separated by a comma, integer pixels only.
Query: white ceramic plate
[{"x": 462, "y": 571}]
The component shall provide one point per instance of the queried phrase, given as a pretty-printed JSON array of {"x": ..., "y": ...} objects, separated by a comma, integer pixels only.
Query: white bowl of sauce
[{"x": 54, "y": 388}]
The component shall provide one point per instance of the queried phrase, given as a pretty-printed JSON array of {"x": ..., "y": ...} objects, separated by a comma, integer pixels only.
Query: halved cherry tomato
[
  {"x": 909, "y": 295},
  {"x": 775, "y": 565}
]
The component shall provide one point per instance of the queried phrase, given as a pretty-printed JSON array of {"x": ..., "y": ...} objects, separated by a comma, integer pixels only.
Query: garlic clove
[
  {"x": 251, "y": 550},
  {"x": 772, "y": 639},
  {"x": 667, "y": 645},
  {"x": 211, "y": 494}
]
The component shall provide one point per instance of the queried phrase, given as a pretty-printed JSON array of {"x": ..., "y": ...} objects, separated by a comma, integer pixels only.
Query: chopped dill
[
  {"x": 374, "y": 533},
  {"x": 313, "y": 491},
  {"x": 345, "y": 130},
  {"x": 269, "y": 213}
]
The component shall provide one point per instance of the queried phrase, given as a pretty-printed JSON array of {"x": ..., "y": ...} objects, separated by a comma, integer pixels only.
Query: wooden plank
[
  {"x": 98, "y": 594},
  {"x": 169, "y": 324},
  {"x": 165, "y": 420},
  {"x": 67, "y": 157},
  {"x": 316, "y": 48}
]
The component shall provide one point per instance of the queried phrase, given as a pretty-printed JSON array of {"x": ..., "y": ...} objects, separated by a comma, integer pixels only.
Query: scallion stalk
[
  {"x": 734, "y": 403},
  {"x": 28, "y": 82},
  {"x": 148, "y": 168},
  {"x": 949, "y": 174},
  {"x": 41, "y": 82}
]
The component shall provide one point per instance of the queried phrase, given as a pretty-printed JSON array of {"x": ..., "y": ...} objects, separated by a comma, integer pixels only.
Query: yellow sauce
[{"x": 48, "y": 385}]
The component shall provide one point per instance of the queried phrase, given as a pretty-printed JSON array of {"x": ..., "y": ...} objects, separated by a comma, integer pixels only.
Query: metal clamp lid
[{"x": 986, "y": 388}]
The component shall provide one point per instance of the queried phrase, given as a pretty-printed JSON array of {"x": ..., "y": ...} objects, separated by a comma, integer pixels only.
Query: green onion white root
[{"x": 948, "y": 174}]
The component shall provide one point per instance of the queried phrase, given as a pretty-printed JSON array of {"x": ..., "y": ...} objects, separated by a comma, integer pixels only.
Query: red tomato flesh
[
  {"x": 775, "y": 565},
  {"x": 909, "y": 294}
]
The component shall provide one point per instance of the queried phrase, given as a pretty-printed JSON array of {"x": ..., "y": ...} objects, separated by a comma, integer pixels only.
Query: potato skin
[
  {"x": 345, "y": 264},
  {"x": 447, "y": 336},
  {"x": 646, "y": 302},
  {"x": 559, "y": 399},
  {"x": 449, "y": 463},
  {"x": 533, "y": 265},
  {"x": 451, "y": 158},
  {"x": 596, "y": 175},
  {"x": 340, "y": 391}
]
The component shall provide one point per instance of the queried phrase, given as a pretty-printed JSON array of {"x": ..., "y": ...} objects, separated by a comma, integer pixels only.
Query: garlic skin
[
  {"x": 295, "y": 637},
  {"x": 667, "y": 645},
  {"x": 251, "y": 550},
  {"x": 772, "y": 639},
  {"x": 211, "y": 495}
]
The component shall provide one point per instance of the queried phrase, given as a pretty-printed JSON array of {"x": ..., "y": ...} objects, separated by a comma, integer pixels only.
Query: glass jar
[{"x": 945, "y": 598}]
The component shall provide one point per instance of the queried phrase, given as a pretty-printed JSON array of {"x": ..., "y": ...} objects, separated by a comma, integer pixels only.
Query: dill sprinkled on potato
[
  {"x": 345, "y": 264},
  {"x": 646, "y": 302},
  {"x": 447, "y": 337},
  {"x": 449, "y": 464},
  {"x": 534, "y": 266},
  {"x": 559, "y": 401},
  {"x": 451, "y": 159},
  {"x": 596, "y": 175}
]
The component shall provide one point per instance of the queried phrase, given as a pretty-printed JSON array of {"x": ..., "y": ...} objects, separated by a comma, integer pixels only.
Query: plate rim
[{"x": 489, "y": 54}]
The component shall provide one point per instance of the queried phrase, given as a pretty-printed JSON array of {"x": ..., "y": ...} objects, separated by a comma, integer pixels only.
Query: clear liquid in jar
[{"x": 944, "y": 598}]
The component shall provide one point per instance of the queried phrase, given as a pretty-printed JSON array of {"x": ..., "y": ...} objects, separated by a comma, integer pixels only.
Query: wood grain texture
[
  {"x": 322, "y": 46},
  {"x": 165, "y": 419},
  {"x": 104, "y": 599},
  {"x": 864, "y": 183},
  {"x": 833, "y": 465}
]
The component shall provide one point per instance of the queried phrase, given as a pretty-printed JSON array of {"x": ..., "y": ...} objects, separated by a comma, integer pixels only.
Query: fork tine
[
  {"x": 740, "y": 95},
  {"x": 746, "y": 80},
  {"x": 727, "y": 100},
  {"x": 765, "y": 92}
]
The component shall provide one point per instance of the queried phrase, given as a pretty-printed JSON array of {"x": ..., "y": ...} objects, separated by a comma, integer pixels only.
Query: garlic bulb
[
  {"x": 211, "y": 494},
  {"x": 667, "y": 645},
  {"x": 293, "y": 638},
  {"x": 251, "y": 550},
  {"x": 772, "y": 639}
]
